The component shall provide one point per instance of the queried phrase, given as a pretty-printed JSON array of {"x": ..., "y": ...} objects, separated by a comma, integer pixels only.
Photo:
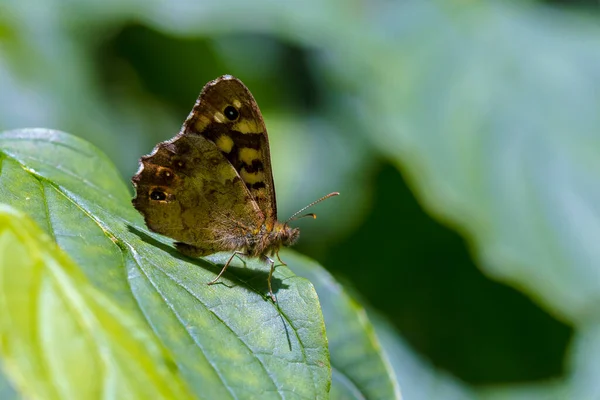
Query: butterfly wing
[
  {"x": 187, "y": 190},
  {"x": 227, "y": 115}
]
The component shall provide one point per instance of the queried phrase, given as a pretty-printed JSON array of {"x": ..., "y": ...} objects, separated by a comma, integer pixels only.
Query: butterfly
[{"x": 210, "y": 188}]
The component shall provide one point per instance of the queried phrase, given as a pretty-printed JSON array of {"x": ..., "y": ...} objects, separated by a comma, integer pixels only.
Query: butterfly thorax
[{"x": 269, "y": 241}]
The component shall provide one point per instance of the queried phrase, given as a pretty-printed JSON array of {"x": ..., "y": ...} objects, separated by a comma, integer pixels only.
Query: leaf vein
[
  {"x": 136, "y": 256},
  {"x": 253, "y": 353}
]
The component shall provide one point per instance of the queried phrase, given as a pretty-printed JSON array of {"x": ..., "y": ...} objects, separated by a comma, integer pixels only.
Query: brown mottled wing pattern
[
  {"x": 227, "y": 115},
  {"x": 188, "y": 191}
]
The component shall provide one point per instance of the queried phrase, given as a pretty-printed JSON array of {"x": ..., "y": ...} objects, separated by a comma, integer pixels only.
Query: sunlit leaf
[
  {"x": 228, "y": 340},
  {"x": 62, "y": 338},
  {"x": 360, "y": 367}
]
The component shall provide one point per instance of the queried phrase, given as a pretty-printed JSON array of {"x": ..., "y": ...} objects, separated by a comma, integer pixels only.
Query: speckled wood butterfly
[{"x": 211, "y": 187}]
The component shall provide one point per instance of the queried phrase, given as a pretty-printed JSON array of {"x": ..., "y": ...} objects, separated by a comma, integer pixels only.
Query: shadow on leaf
[{"x": 250, "y": 279}]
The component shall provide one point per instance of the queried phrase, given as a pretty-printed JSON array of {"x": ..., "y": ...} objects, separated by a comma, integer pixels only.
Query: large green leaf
[
  {"x": 489, "y": 108},
  {"x": 62, "y": 338},
  {"x": 493, "y": 115},
  {"x": 360, "y": 367},
  {"x": 584, "y": 382},
  {"x": 228, "y": 340}
]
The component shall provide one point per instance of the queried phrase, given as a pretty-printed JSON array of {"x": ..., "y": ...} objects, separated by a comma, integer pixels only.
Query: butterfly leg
[
  {"x": 279, "y": 258},
  {"x": 235, "y": 253},
  {"x": 270, "y": 261}
]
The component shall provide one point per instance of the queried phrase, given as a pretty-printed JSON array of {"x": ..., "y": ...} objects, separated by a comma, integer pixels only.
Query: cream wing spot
[
  {"x": 219, "y": 117},
  {"x": 224, "y": 143},
  {"x": 252, "y": 177},
  {"x": 247, "y": 155},
  {"x": 247, "y": 126}
]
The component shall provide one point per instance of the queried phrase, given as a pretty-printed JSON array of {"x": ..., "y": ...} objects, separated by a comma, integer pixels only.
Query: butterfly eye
[{"x": 231, "y": 113}]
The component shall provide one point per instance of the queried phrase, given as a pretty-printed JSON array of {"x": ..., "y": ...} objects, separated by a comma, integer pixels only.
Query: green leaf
[
  {"x": 481, "y": 104},
  {"x": 491, "y": 110},
  {"x": 584, "y": 383},
  {"x": 55, "y": 325},
  {"x": 7, "y": 392},
  {"x": 228, "y": 340},
  {"x": 360, "y": 368}
]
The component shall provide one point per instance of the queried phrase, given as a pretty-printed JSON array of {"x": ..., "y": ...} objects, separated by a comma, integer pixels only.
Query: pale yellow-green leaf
[{"x": 60, "y": 338}]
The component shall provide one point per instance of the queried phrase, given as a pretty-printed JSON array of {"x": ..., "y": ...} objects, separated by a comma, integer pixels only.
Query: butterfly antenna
[{"x": 293, "y": 217}]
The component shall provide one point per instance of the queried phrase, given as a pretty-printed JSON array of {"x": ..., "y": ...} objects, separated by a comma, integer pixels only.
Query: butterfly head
[{"x": 284, "y": 234}]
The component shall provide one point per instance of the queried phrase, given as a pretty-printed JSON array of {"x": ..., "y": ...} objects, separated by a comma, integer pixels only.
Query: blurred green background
[{"x": 463, "y": 135}]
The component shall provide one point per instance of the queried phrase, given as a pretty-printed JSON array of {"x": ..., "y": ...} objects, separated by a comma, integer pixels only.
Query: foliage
[
  {"x": 488, "y": 109},
  {"x": 127, "y": 293}
]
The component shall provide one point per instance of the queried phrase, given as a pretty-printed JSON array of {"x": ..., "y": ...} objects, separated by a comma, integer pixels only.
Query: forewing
[
  {"x": 243, "y": 140},
  {"x": 188, "y": 191}
]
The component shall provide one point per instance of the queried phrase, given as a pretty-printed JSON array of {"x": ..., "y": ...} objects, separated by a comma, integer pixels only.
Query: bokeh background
[{"x": 463, "y": 135}]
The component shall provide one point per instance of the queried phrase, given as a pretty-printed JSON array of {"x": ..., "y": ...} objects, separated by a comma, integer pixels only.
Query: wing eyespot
[
  {"x": 231, "y": 113},
  {"x": 165, "y": 173},
  {"x": 158, "y": 195},
  {"x": 178, "y": 164}
]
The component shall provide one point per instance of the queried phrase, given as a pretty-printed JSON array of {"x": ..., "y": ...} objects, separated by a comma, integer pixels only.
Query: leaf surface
[{"x": 227, "y": 340}]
